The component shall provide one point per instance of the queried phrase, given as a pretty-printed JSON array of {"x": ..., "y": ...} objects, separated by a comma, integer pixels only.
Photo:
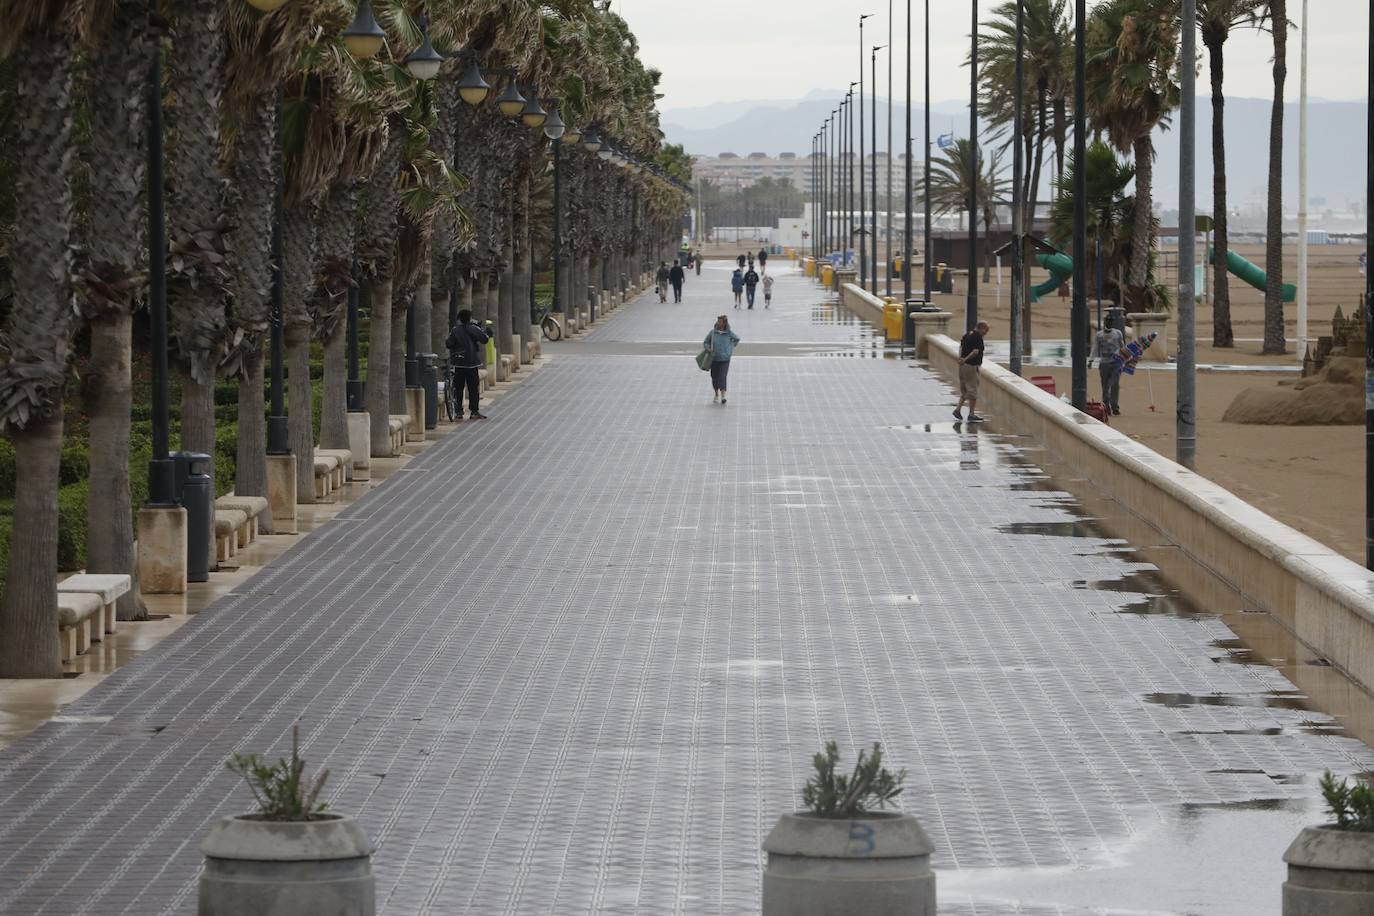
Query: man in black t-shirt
[{"x": 970, "y": 365}]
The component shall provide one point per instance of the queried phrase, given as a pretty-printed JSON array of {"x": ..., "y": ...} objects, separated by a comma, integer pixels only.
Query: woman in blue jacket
[
  {"x": 721, "y": 344},
  {"x": 737, "y": 284}
]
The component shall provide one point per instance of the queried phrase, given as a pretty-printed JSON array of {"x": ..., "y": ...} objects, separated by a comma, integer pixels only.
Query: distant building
[{"x": 733, "y": 172}]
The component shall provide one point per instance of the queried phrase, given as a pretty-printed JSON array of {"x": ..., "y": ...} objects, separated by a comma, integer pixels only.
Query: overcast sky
[{"x": 723, "y": 50}]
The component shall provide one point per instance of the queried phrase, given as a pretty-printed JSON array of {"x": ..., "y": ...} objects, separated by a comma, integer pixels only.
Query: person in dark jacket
[
  {"x": 737, "y": 285},
  {"x": 661, "y": 281},
  {"x": 676, "y": 278},
  {"x": 467, "y": 351},
  {"x": 763, "y": 260},
  {"x": 751, "y": 282}
]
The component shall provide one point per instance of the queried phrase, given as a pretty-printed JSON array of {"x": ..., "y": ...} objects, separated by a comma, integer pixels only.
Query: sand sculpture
[{"x": 1330, "y": 392}]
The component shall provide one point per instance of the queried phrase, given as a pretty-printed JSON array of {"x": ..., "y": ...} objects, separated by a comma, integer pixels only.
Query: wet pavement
[{"x": 575, "y": 659}]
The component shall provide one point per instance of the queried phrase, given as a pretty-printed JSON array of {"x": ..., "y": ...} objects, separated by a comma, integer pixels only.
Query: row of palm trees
[
  {"x": 1132, "y": 89},
  {"x": 406, "y": 185}
]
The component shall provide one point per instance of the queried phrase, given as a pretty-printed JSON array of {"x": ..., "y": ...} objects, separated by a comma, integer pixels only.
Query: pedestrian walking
[
  {"x": 676, "y": 277},
  {"x": 721, "y": 343},
  {"x": 767, "y": 290},
  {"x": 696, "y": 262},
  {"x": 740, "y": 262},
  {"x": 661, "y": 281},
  {"x": 737, "y": 285},
  {"x": 1106, "y": 345},
  {"x": 751, "y": 283},
  {"x": 466, "y": 345},
  {"x": 970, "y": 368},
  {"x": 763, "y": 260}
]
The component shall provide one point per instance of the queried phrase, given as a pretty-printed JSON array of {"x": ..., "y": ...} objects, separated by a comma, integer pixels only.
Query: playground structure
[{"x": 1060, "y": 267}]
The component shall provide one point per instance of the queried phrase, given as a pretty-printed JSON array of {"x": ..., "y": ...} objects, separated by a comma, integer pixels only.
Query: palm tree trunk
[
  {"x": 440, "y": 297},
  {"x": 107, "y": 395},
  {"x": 198, "y": 434},
  {"x": 250, "y": 471},
  {"x": 334, "y": 404},
  {"x": 28, "y": 609},
  {"x": 1274, "y": 342},
  {"x": 1142, "y": 230},
  {"x": 396, "y": 377},
  {"x": 1222, "y": 335},
  {"x": 1061, "y": 135},
  {"x": 379, "y": 365},
  {"x": 300, "y": 409}
]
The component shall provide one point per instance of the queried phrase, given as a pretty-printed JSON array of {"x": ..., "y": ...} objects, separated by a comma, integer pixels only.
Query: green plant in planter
[
  {"x": 834, "y": 795},
  {"x": 281, "y": 789},
  {"x": 1351, "y": 805}
]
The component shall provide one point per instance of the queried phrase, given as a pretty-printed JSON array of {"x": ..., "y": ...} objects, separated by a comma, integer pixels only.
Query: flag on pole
[{"x": 945, "y": 141}]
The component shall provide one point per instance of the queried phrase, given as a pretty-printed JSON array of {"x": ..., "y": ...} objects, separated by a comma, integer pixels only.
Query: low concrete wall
[
  {"x": 1324, "y": 598},
  {"x": 862, "y": 303}
]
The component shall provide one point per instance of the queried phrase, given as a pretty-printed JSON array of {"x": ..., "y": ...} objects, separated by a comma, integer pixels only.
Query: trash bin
[
  {"x": 896, "y": 266},
  {"x": 429, "y": 380},
  {"x": 892, "y": 321},
  {"x": 193, "y": 476}
]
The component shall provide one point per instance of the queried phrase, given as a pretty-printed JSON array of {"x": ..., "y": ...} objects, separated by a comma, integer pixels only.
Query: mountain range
[{"x": 1336, "y": 151}]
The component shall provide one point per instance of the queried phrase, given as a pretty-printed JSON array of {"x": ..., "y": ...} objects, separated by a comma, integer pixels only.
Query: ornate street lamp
[
  {"x": 572, "y": 136},
  {"x": 424, "y": 62},
  {"x": 265, "y": 6},
  {"x": 510, "y": 102},
  {"x": 472, "y": 89},
  {"x": 590, "y": 141},
  {"x": 364, "y": 37},
  {"x": 554, "y": 128}
]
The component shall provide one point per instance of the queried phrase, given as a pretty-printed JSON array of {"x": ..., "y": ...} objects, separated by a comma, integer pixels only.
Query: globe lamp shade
[
  {"x": 424, "y": 62},
  {"x": 591, "y": 141},
  {"x": 511, "y": 102},
  {"x": 364, "y": 38},
  {"x": 572, "y": 136},
  {"x": 472, "y": 89},
  {"x": 533, "y": 114},
  {"x": 553, "y": 125}
]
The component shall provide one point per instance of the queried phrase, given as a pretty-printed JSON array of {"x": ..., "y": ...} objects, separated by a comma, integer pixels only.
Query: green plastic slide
[
  {"x": 1252, "y": 274},
  {"x": 1060, "y": 267}
]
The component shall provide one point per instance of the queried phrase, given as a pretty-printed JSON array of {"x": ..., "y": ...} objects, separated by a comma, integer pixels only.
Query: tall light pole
[
  {"x": 971, "y": 309},
  {"x": 863, "y": 260},
  {"x": 1018, "y": 203},
  {"x": 1078, "y": 312},
  {"x": 906, "y": 182},
  {"x": 1302, "y": 192},
  {"x": 887, "y": 267},
  {"x": 1369, "y": 306},
  {"x": 925, "y": 257},
  {"x": 161, "y": 473},
  {"x": 873, "y": 166},
  {"x": 1185, "y": 425},
  {"x": 849, "y": 168}
]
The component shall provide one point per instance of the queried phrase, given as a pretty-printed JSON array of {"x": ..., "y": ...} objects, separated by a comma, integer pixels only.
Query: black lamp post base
[
  {"x": 278, "y": 437},
  {"x": 162, "y": 483},
  {"x": 354, "y": 393},
  {"x": 412, "y": 372}
]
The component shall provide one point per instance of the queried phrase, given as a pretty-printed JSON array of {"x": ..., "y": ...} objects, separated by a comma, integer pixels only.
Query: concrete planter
[
  {"x": 1330, "y": 873},
  {"x": 877, "y": 865},
  {"x": 1144, "y": 323},
  {"x": 275, "y": 868}
]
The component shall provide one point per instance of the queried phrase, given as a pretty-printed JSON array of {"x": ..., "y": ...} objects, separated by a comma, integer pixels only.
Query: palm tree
[
  {"x": 1111, "y": 216},
  {"x": 38, "y": 329},
  {"x": 951, "y": 180},
  {"x": 1217, "y": 18},
  {"x": 111, "y": 270},
  {"x": 1133, "y": 49},
  {"x": 1273, "y": 245}
]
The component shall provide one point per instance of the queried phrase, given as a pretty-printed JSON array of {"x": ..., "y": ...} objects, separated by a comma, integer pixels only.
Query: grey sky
[{"x": 723, "y": 50}]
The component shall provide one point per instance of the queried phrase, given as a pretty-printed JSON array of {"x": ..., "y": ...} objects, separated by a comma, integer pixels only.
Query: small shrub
[
  {"x": 71, "y": 525},
  {"x": 76, "y": 463},
  {"x": 832, "y": 795},
  {"x": 1351, "y": 805},
  {"x": 7, "y": 469},
  {"x": 280, "y": 789}
]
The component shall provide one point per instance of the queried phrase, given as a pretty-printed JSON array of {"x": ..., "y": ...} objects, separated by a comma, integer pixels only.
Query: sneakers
[
  {"x": 958, "y": 414},
  {"x": 722, "y": 402},
  {"x": 715, "y": 398},
  {"x": 975, "y": 418},
  {"x": 478, "y": 416}
]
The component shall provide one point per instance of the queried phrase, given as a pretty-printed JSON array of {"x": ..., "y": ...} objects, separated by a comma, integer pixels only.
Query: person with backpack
[
  {"x": 676, "y": 277},
  {"x": 661, "y": 281},
  {"x": 751, "y": 282},
  {"x": 466, "y": 353},
  {"x": 737, "y": 285},
  {"x": 720, "y": 343}
]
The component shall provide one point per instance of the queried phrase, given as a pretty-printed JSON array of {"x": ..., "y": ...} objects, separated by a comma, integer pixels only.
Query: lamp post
[
  {"x": 1018, "y": 228},
  {"x": 278, "y": 438},
  {"x": 906, "y": 183},
  {"x": 971, "y": 309},
  {"x": 887, "y": 270},
  {"x": 1078, "y": 312},
  {"x": 863, "y": 253},
  {"x": 1369, "y": 309},
  {"x": 849, "y": 163},
  {"x": 557, "y": 133},
  {"x": 925, "y": 257},
  {"x": 1185, "y": 429},
  {"x": 354, "y": 390},
  {"x": 873, "y": 166},
  {"x": 161, "y": 474}
]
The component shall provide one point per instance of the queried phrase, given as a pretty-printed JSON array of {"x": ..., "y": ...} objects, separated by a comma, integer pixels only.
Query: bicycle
[
  {"x": 453, "y": 395},
  {"x": 548, "y": 324}
]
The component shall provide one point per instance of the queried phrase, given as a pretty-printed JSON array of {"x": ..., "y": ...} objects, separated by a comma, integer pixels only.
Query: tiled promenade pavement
[{"x": 575, "y": 659}]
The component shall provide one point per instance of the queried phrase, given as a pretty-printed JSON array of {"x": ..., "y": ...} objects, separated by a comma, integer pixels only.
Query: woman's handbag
[{"x": 704, "y": 360}]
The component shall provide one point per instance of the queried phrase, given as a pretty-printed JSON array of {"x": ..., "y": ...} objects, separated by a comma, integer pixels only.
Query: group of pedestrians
[
  {"x": 667, "y": 277},
  {"x": 745, "y": 280}
]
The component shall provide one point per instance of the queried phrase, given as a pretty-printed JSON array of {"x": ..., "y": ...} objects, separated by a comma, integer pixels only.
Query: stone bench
[
  {"x": 107, "y": 588},
  {"x": 399, "y": 424},
  {"x": 250, "y": 506},
  {"x": 78, "y": 622},
  {"x": 326, "y": 468},
  {"x": 230, "y": 527},
  {"x": 345, "y": 458}
]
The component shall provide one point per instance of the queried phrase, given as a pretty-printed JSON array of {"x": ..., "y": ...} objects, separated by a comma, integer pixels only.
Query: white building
[{"x": 733, "y": 172}]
